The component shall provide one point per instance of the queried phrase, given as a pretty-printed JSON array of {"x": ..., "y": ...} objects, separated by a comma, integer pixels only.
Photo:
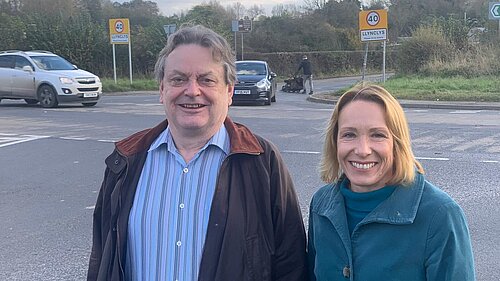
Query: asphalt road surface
[{"x": 52, "y": 162}]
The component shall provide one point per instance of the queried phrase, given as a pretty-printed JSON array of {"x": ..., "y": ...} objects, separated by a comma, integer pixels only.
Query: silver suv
[{"x": 41, "y": 76}]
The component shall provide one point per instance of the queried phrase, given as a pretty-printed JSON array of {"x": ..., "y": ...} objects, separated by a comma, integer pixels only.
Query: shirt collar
[{"x": 220, "y": 139}]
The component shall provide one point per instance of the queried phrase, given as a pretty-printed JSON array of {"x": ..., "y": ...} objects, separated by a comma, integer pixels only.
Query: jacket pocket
[{"x": 255, "y": 262}]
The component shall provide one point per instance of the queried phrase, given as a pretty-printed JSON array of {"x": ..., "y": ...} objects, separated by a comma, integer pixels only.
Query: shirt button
[
  {"x": 179, "y": 243},
  {"x": 346, "y": 271},
  {"x": 181, "y": 206},
  {"x": 185, "y": 170}
]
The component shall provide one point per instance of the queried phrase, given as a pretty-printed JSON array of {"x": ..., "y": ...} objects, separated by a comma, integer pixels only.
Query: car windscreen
[
  {"x": 52, "y": 63},
  {"x": 250, "y": 69}
]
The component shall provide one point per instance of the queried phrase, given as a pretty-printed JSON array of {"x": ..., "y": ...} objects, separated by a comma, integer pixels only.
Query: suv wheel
[
  {"x": 47, "y": 96},
  {"x": 31, "y": 101}
]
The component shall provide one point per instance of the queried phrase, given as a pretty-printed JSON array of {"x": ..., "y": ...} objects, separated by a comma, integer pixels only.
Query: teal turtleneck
[{"x": 359, "y": 204}]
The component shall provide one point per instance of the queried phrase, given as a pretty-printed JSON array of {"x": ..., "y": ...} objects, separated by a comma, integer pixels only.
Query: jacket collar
[
  {"x": 400, "y": 208},
  {"x": 241, "y": 138}
]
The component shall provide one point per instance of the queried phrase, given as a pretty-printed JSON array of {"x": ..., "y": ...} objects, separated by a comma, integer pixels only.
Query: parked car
[
  {"x": 255, "y": 83},
  {"x": 41, "y": 76}
]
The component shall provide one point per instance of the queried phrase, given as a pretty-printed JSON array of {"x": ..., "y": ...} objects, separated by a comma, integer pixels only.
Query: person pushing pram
[{"x": 306, "y": 67}]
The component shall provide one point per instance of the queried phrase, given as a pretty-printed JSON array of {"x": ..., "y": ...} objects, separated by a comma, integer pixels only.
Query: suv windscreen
[
  {"x": 52, "y": 63},
  {"x": 250, "y": 69}
]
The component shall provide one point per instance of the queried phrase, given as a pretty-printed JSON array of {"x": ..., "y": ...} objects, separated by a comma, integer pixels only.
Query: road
[{"x": 52, "y": 162}]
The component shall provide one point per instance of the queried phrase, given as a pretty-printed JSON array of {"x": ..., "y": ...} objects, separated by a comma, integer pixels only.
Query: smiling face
[
  {"x": 365, "y": 146},
  {"x": 194, "y": 92}
]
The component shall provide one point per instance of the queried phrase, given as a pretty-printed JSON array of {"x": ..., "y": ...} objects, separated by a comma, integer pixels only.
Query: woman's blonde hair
[{"x": 404, "y": 160}]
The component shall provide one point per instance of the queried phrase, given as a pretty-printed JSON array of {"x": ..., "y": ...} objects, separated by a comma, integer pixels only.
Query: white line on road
[
  {"x": 21, "y": 139},
  {"x": 106, "y": 140},
  {"x": 74, "y": 138},
  {"x": 489, "y": 161},
  {"x": 433, "y": 158},
  {"x": 300, "y": 152}
]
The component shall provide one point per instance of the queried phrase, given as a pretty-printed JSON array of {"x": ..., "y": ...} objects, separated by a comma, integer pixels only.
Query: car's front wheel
[
  {"x": 268, "y": 97},
  {"x": 47, "y": 96},
  {"x": 31, "y": 101}
]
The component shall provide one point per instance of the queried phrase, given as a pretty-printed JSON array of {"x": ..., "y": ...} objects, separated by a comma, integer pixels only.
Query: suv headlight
[
  {"x": 66, "y": 80},
  {"x": 263, "y": 84}
]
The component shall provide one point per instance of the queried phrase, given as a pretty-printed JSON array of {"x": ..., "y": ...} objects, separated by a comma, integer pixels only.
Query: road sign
[
  {"x": 245, "y": 25},
  {"x": 373, "y": 25},
  {"x": 494, "y": 9},
  {"x": 119, "y": 31},
  {"x": 169, "y": 28}
]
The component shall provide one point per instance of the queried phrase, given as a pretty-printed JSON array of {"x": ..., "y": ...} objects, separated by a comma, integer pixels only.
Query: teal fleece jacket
[{"x": 418, "y": 233}]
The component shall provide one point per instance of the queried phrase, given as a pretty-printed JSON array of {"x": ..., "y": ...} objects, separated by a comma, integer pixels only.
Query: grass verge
[
  {"x": 481, "y": 89},
  {"x": 123, "y": 85}
]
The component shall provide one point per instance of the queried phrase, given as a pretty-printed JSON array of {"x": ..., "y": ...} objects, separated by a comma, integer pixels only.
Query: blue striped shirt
[{"x": 169, "y": 218}]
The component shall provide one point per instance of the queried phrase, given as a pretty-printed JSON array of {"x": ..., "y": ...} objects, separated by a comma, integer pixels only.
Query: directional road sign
[{"x": 494, "y": 9}]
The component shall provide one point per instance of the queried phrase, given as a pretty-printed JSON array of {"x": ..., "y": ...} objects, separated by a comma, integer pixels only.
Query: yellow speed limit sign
[
  {"x": 119, "y": 31},
  {"x": 373, "y": 25}
]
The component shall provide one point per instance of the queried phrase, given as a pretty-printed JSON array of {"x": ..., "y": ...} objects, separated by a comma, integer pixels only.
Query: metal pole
[
  {"x": 130, "y": 60},
  {"x": 235, "y": 50},
  {"x": 364, "y": 62},
  {"x": 114, "y": 63},
  {"x": 383, "y": 64},
  {"x": 242, "y": 46}
]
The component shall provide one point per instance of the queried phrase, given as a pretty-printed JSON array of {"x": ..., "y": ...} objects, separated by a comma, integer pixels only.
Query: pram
[{"x": 293, "y": 84}]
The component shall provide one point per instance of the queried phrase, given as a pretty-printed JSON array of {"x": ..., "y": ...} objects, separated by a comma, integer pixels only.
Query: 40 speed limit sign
[{"x": 373, "y": 25}]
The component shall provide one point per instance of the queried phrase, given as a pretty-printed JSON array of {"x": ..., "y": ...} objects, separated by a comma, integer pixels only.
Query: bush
[
  {"x": 427, "y": 43},
  {"x": 474, "y": 62}
]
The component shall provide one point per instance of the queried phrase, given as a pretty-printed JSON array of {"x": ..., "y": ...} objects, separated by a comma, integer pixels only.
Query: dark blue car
[{"x": 255, "y": 83}]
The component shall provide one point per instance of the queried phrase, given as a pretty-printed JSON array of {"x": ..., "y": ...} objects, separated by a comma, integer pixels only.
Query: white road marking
[
  {"x": 74, "y": 138},
  {"x": 489, "y": 161},
  {"x": 433, "y": 158},
  {"x": 11, "y": 140},
  {"x": 301, "y": 152},
  {"x": 107, "y": 141},
  {"x": 465, "y": 111}
]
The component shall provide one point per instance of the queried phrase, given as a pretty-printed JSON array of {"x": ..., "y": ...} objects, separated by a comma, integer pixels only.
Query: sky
[{"x": 170, "y": 7}]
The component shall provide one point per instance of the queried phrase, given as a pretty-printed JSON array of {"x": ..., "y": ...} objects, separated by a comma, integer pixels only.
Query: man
[
  {"x": 197, "y": 197},
  {"x": 306, "y": 67}
]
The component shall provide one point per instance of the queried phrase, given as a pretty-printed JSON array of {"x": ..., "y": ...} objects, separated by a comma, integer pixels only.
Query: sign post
[
  {"x": 119, "y": 33},
  {"x": 242, "y": 26},
  {"x": 373, "y": 27},
  {"x": 234, "y": 28},
  {"x": 494, "y": 13}
]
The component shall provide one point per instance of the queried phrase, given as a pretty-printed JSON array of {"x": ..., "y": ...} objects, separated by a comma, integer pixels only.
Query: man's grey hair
[{"x": 202, "y": 36}]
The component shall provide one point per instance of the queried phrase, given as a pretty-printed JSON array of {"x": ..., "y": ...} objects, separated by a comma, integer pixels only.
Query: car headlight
[
  {"x": 263, "y": 84},
  {"x": 97, "y": 80},
  {"x": 66, "y": 80}
]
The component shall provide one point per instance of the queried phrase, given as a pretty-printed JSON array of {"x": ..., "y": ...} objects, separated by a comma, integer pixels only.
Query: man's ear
[
  {"x": 230, "y": 89},
  {"x": 162, "y": 86}
]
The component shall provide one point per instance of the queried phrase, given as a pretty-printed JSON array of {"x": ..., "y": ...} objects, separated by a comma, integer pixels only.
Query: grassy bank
[
  {"x": 123, "y": 85},
  {"x": 485, "y": 89}
]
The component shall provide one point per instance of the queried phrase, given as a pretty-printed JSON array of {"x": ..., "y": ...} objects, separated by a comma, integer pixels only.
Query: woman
[{"x": 378, "y": 218}]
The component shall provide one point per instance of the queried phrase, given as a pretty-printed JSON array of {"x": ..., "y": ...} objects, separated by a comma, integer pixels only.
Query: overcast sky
[{"x": 170, "y": 7}]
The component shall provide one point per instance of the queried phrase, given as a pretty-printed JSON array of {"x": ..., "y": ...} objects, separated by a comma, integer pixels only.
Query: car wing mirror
[
  {"x": 27, "y": 68},
  {"x": 273, "y": 75},
  {"x": 76, "y": 67}
]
